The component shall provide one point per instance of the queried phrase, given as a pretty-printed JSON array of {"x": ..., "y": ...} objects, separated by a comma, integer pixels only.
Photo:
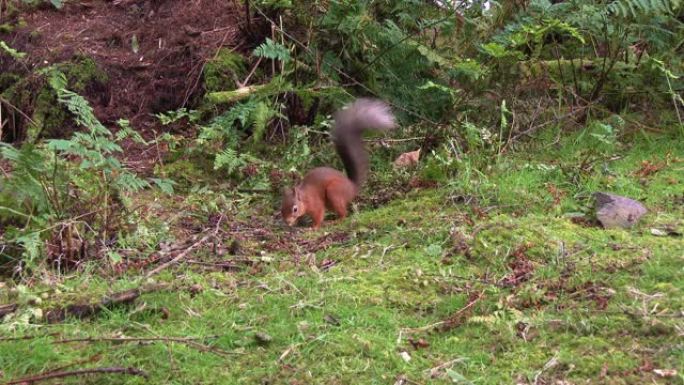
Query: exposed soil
[{"x": 153, "y": 51}]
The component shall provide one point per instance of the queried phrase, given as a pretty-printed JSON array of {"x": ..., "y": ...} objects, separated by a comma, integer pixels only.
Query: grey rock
[{"x": 617, "y": 211}]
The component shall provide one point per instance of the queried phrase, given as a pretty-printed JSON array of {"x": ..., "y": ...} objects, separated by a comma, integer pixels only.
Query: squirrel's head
[{"x": 292, "y": 207}]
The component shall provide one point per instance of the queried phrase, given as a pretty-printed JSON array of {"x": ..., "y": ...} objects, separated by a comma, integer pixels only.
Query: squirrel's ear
[
  {"x": 296, "y": 192},
  {"x": 287, "y": 191}
]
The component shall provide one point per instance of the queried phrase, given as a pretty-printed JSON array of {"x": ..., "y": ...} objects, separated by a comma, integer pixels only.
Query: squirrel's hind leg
[{"x": 338, "y": 195}]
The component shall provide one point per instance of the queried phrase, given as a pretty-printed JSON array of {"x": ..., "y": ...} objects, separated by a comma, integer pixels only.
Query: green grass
[{"x": 600, "y": 306}]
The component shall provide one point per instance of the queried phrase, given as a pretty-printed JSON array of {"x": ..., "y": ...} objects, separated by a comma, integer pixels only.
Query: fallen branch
[
  {"x": 91, "y": 309},
  {"x": 189, "y": 341},
  {"x": 7, "y": 309},
  {"x": 227, "y": 265},
  {"x": 79, "y": 372},
  {"x": 225, "y": 97},
  {"x": 89, "y": 360}
]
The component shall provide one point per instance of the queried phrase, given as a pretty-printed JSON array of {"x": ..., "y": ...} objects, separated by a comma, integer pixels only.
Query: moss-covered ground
[{"x": 499, "y": 276}]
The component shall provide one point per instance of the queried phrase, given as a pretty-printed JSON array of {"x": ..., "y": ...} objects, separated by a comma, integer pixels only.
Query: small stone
[
  {"x": 617, "y": 211},
  {"x": 407, "y": 159},
  {"x": 332, "y": 320},
  {"x": 665, "y": 372},
  {"x": 263, "y": 338},
  {"x": 195, "y": 289},
  {"x": 658, "y": 233}
]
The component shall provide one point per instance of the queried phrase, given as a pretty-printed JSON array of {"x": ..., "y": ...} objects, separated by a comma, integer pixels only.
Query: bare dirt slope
[{"x": 152, "y": 51}]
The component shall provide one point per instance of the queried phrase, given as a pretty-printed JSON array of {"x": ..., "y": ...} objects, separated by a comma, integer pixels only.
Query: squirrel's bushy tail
[{"x": 350, "y": 123}]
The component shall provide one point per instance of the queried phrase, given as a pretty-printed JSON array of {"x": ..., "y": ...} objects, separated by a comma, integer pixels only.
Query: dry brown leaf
[{"x": 407, "y": 159}]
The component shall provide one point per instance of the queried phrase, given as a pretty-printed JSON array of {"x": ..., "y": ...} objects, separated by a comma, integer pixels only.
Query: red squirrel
[{"x": 325, "y": 187}]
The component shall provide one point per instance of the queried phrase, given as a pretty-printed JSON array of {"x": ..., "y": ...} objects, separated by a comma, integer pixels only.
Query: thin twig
[
  {"x": 548, "y": 365},
  {"x": 447, "y": 321},
  {"x": 434, "y": 372},
  {"x": 88, "y": 360},
  {"x": 23, "y": 338},
  {"x": 395, "y": 140},
  {"x": 2, "y": 123},
  {"x": 128, "y": 339},
  {"x": 189, "y": 341},
  {"x": 249, "y": 75},
  {"x": 187, "y": 251},
  {"x": 179, "y": 256},
  {"x": 461, "y": 278},
  {"x": 79, "y": 372},
  {"x": 217, "y": 30},
  {"x": 556, "y": 120},
  {"x": 22, "y": 113}
]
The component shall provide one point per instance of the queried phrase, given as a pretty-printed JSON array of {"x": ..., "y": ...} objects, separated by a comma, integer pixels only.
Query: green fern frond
[
  {"x": 165, "y": 185},
  {"x": 127, "y": 181},
  {"x": 259, "y": 118},
  {"x": 75, "y": 103},
  {"x": 228, "y": 159},
  {"x": 636, "y": 8},
  {"x": 272, "y": 50}
]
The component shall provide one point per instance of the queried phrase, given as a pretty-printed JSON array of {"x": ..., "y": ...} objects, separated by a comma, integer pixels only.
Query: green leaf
[
  {"x": 130, "y": 182},
  {"x": 127, "y": 131},
  {"x": 166, "y": 185},
  {"x": 114, "y": 257},
  {"x": 431, "y": 55},
  {"x": 60, "y": 144},
  {"x": 430, "y": 85},
  {"x": 457, "y": 378},
  {"x": 260, "y": 117},
  {"x": 435, "y": 250},
  {"x": 272, "y": 50},
  {"x": 498, "y": 51}
]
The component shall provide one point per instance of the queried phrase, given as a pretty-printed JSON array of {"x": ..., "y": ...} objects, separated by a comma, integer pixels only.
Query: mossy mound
[
  {"x": 36, "y": 112},
  {"x": 224, "y": 72}
]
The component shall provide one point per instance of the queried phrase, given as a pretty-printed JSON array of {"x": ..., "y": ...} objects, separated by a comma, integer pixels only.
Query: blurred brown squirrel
[{"x": 325, "y": 187}]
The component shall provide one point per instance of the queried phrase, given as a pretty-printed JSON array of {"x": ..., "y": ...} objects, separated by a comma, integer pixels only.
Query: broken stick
[{"x": 79, "y": 372}]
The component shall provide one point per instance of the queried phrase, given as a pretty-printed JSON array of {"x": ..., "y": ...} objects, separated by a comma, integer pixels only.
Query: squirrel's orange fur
[{"x": 325, "y": 187}]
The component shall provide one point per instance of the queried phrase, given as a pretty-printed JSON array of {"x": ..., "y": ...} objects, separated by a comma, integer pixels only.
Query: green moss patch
[
  {"x": 431, "y": 287},
  {"x": 224, "y": 71}
]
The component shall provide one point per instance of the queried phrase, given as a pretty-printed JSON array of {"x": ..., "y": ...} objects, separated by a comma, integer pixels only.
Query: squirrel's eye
[{"x": 294, "y": 209}]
